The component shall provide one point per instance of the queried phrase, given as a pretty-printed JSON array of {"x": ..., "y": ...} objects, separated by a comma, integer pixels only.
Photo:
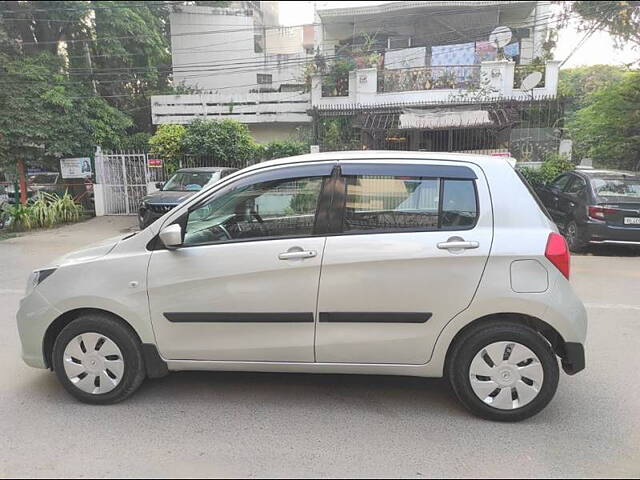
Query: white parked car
[{"x": 394, "y": 263}]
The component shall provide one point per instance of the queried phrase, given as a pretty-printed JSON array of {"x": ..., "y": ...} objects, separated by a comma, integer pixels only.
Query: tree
[
  {"x": 608, "y": 129},
  {"x": 578, "y": 84},
  {"x": 228, "y": 142},
  {"x": 130, "y": 57},
  {"x": 46, "y": 116},
  {"x": 621, "y": 19}
]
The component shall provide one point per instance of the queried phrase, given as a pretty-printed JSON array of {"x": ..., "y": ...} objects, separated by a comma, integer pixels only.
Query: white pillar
[
  {"x": 551, "y": 74},
  {"x": 98, "y": 199},
  {"x": 316, "y": 90}
]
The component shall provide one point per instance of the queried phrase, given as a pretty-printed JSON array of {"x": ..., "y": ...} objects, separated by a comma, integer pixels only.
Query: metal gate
[{"x": 124, "y": 177}]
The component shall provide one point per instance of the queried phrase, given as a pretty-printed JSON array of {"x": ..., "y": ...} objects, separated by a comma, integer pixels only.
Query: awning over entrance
[{"x": 441, "y": 118}]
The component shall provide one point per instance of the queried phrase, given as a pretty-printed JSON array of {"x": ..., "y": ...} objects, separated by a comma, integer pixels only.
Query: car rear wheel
[
  {"x": 98, "y": 359},
  {"x": 503, "y": 371},
  {"x": 572, "y": 235}
]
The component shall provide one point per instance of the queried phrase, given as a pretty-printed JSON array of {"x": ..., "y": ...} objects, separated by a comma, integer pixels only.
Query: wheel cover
[
  {"x": 93, "y": 363},
  {"x": 506, "y": 375}
]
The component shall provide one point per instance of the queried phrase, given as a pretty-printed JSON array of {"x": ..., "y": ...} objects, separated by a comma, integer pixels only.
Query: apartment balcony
[
  {"x": 248, "y": 108},
  {"x": 486, "y": 81}
]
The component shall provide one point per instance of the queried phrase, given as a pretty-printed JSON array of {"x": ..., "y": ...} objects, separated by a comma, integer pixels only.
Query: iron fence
[{"x": 527, "y": 130}]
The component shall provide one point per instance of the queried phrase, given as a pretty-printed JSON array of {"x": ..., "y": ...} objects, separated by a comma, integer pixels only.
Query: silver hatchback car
[{"x": 393, "y": 263}]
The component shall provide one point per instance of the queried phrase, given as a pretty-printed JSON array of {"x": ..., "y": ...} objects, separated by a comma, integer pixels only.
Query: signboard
[
  {"x": 154, "y": 162},
  {"x": 75, "y": 167}
]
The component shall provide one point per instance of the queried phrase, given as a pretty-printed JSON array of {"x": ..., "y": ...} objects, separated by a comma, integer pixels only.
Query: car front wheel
[
  {"x": 503, "y": 371},
  {"x": 98, "y": 359}
]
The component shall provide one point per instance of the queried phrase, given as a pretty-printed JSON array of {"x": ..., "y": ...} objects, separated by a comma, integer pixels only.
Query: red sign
[{"x": 154, "y": 162}]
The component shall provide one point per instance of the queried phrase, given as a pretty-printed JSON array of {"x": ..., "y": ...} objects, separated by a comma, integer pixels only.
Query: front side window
[
  {"x": 277, "y": 208},
  {"x": 190, "y": 181},
  {"x": 561, "y": 182},
  {"x": 393, "y": 203}
]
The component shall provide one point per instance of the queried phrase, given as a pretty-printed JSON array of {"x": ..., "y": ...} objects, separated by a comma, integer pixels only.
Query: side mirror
[
  {"x": 171, "y": 236},
  {"x": 159, "y": 185}
]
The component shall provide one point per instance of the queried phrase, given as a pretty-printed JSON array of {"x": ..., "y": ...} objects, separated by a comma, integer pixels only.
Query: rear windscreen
[{"x": 617, "y": 188}]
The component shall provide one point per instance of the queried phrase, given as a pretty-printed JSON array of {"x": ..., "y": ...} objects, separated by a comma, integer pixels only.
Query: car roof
[
  {"x": 383, "y": 155},
  {"x": 607, "y": 173},
  {"x": 204, "y": 169}
]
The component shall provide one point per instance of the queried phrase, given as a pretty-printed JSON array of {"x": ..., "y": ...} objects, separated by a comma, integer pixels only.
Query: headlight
[{"x": 37, "y": 277}]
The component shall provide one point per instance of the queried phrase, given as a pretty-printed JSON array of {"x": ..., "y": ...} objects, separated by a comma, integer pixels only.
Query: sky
[{"x": 598, "y": 49}]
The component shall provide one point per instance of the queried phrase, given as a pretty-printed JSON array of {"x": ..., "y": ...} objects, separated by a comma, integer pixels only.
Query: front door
[
  {"x": 243, "y": 286},
  {"x": 409, "y": 254}
]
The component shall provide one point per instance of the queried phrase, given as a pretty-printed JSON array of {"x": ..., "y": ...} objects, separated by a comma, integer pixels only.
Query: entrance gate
[{"x": 124, "y": 177}]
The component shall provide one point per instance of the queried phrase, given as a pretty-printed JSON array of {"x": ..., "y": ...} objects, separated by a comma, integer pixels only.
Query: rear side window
[
  {"x": 576, "y": 187},
  {"x": 533, "y": 194},
  {"x": 399, "y": 203}
]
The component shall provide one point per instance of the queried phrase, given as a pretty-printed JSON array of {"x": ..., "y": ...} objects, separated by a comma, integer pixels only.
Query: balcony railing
[{"x": 429, "y": 78}]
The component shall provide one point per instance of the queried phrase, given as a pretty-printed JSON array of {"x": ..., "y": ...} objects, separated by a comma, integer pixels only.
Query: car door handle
[
  {"x": 457, "y": 245},
  {"x": 297, "y": 254}
]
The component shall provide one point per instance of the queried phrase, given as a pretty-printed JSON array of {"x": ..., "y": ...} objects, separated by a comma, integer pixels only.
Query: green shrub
[
  {"x": 166, "y": 144},
  {"x": 284, "y": 148},
  {"x": 553, "y": 166},
  {"x": 228, "y": 142},
  {"x": 18, "y": 217},
  {"x": 65, "y": 208},
  {"x": 41, "y": 212},
  {"x": 45, "y": 211}
]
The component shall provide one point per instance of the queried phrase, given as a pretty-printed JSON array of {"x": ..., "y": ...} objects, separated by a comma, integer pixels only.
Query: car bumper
[
  {"x": 34, "y": 317},
  {"x": 573, "y": 358},
  {"x": 601, "y": 233}
]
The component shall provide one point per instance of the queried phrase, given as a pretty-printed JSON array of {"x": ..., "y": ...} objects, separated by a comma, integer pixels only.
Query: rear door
[
  {"x": 550, "y": 195},
  {"x": 572, "y": 200},
  {"x": 405, "y": 255}
]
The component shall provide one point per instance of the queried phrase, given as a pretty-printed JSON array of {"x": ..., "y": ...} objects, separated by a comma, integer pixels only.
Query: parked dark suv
[
  {"x": 595, "y": 207},
  {"x": 184, "y": 183}
]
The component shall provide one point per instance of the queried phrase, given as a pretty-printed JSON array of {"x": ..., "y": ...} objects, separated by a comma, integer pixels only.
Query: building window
[
  {"x": 399, "y": 42},
  {"x": 258, "y": 43},
  {"x": 264, "y": 79}
]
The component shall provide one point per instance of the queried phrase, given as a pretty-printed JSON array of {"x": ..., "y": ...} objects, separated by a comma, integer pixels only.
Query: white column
[
  {"x": 316, "y": 90},
  {"x": 98, "y": 199},
  {"x": 551, "y": 74}
]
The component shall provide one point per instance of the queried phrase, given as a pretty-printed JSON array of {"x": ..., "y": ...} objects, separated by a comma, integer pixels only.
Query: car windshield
[
  {"x": 42, "y": 178},
  {"x": 189, "y": 181},
  {"x": 627, "y": 188}
]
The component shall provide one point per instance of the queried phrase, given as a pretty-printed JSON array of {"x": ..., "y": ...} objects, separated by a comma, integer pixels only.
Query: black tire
[
  {"x": 573, "y": 235},
  {"x": 486, "y": 333},
  {"x": 122, "y": 336}
]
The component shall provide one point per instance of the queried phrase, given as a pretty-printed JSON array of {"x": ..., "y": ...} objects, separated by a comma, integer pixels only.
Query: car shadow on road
[
  {"x": 381, "y": 394},
  {"x": 610, "y": 251}
]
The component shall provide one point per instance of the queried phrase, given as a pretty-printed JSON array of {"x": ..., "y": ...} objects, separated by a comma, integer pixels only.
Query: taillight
[
  {"x": 558, "y": 253},
  {"x": 597, "y": 212}
]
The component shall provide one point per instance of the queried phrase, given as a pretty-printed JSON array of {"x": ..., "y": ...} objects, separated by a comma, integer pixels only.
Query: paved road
[{"x": 219, "y": 424}]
